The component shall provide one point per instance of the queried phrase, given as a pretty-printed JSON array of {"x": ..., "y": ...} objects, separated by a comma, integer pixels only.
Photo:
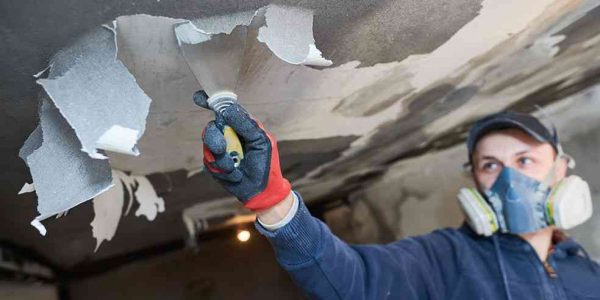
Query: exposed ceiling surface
[{"x": 407, "y": 77}]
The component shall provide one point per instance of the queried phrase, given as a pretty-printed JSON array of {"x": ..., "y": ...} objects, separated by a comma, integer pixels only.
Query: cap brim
[{"x": 498, "y": 124}]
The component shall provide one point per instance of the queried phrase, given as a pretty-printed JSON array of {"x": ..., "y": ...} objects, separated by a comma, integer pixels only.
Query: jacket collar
[{"x": 562, "y": 244}]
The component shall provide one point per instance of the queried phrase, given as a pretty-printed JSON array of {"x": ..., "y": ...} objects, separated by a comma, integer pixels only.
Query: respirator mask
[{"x": 517, "y": 203}]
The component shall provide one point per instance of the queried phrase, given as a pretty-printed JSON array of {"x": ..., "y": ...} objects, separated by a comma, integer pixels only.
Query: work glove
[{"x": 257, "y": 181}]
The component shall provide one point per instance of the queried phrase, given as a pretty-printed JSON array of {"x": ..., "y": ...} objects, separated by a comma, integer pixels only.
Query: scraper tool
[{"x": 216, "y": 61}]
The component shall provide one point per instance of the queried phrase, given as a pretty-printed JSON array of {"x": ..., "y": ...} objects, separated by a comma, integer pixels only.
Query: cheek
[{"x": 486, "y": 180}]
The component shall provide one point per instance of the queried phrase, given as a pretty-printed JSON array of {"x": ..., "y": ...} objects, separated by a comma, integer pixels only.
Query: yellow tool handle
[{"x": 234, "y": 146}]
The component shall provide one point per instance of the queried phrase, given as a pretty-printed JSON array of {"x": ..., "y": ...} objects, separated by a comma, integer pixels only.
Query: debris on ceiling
[
  {"x": 407, "y": 77},
  {"x": 90, "y": 90}
]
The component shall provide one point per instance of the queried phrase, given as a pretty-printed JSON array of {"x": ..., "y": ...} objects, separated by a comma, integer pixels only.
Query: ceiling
[{"x": 408, "y": 77}]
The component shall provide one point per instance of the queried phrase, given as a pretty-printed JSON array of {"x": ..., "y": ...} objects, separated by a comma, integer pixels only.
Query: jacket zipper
[{"x": 549, "y": 269}]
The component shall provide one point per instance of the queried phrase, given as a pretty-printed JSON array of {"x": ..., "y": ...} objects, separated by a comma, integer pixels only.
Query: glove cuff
[
  {"x": 277, "y": 188},
  {"x": 275, "y": 192}
]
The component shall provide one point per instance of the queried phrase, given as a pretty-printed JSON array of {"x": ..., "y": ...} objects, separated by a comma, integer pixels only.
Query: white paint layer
[
  {"x": 288, "y": 33},
  {"x": 150, "y": 203},
  {"x": 108, "y": 208},
  {"x": 119, "y": 139},
  {"x": 27, "y": 188},
  {"x": 187, "y": 33},
  {"x": 497, "y": 21}
]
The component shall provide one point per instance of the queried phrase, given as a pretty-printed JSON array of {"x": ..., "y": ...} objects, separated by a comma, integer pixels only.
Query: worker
[{"x": 510, "y": 247}]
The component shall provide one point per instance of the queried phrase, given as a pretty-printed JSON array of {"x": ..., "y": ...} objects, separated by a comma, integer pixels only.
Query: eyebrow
[
  {"x": 523, "y": 152},
  {"x": 488, "y": 157},
  {"x": 494, "y": 158}
]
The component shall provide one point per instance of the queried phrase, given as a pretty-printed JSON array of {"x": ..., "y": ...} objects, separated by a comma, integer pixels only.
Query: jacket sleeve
[{"x": 327, "y": 268}]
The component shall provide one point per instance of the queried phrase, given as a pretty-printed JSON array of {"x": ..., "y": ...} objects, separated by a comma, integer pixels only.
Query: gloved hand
[{"x": 257, "y": 181}]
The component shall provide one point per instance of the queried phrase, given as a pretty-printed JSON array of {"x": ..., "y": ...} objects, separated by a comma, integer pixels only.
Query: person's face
[{"x": 516, "y": 149}]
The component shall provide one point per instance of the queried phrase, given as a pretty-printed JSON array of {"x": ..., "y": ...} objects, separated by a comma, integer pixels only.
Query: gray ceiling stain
[
  {"x": 294, "y": 154},
  {"x": 377, "y": 97},
  {"x": 395, "y": 140},
  {"x": 558, "y": 90},
  {"x": 580, "y": 31}
]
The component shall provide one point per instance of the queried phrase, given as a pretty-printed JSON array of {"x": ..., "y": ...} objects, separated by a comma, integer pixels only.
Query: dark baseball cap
[{"x": 509, "y": 119}]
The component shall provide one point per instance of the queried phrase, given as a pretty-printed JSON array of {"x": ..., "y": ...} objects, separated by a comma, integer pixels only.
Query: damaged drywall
[
  {"x": 517, "y": 70},
  {"x": 291, "y": 110},
  {"x": 299, "y": 102},
  {"x": 294, "y": 102}
]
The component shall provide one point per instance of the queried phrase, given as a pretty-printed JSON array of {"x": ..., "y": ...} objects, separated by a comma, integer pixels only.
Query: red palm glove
[{"x": 257, "y": 181}]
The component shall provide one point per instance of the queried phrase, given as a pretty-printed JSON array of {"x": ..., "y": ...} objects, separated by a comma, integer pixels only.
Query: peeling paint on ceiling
[{"x": 408, "y": 77}]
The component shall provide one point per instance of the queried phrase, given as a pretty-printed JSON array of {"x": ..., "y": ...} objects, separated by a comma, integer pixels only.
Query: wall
[{"x": 221, "y": 269}]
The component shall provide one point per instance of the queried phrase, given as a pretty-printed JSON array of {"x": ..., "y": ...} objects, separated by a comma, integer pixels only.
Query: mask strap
[{"x": 570, "y": 163}]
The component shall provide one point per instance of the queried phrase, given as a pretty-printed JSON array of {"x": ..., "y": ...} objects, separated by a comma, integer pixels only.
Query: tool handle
[
  {"x": 234, "y": 145},
  {"x": 218, "y": 102}
]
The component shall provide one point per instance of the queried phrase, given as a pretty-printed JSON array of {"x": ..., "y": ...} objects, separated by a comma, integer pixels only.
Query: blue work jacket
[{"x": 445, "y": 264}]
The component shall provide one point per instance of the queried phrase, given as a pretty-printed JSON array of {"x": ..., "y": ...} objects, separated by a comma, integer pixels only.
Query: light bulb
[{"x": 243, "y": 235}]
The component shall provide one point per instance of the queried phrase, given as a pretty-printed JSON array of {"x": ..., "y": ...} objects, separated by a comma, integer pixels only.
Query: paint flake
[
  {"x": 27, "y": 188},
  {"x": 150, "y": 203},
  {"x": 289, "y": 34},
  {"x": 64, "y": 176},
  {"x": 108, "y": 208},
  {"x": 96, "y": 94},
  {"x": 33, "y": 142}
]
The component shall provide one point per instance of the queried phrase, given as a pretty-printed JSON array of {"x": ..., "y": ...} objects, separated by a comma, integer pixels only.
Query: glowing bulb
[{"x": 243, "y": 235}]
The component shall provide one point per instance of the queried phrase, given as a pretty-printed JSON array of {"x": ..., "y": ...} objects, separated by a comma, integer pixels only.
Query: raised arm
[{"x": 320, "y": 263}]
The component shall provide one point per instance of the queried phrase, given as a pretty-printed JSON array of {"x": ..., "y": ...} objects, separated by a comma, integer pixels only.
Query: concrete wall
[{"x": 222, "y": 269}]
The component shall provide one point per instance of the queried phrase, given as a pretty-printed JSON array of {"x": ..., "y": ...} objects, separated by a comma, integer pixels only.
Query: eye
[
  {"x": 525, "y": 161},
  {"x": 490, "y": 166}
]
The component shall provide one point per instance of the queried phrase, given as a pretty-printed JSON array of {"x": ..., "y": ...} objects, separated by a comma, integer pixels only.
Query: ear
[{"x": 561, "y": 169}]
